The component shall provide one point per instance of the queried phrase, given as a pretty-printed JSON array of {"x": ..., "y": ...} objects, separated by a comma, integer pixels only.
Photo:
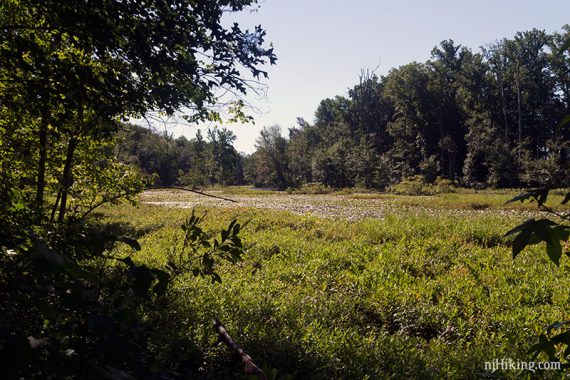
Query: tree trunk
[
  {"x": 454, "y": 122},
  {"x": 441, "y": 148},
  {"x": 519, "y": 106},
  {"x": 504, "y": 105},
  {"x": 41, "y": 182},
  {"x": 567, "y": 97},
  {"x": 54, "y": 208},
  {"x": 67, "y": 178}
]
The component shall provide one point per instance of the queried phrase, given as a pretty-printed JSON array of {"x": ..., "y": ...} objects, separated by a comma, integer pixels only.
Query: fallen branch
[
  {"x": 201, "y": 193},
  {"x": 250, "y": 367}
]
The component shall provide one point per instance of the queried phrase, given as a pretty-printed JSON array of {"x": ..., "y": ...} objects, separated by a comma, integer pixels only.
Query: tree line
[
  {"x": 168, "y": 161},
  {"x": 483, "y": 119}
]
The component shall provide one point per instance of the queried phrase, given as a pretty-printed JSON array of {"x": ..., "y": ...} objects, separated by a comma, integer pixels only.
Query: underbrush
[
  {"x": 311, "y": 188},
  {"x": 408, "y": 296},
  {"x": 416, "y": 185}
]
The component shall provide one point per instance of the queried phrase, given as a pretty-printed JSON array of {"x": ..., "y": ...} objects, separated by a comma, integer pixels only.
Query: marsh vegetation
[{"x": 358, "y": 285}]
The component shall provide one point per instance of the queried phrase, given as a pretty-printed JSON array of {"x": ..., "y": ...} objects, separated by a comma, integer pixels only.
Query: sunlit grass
[
  {"x": 466, "y": 200},
  {"x": 414, "y": 294}
]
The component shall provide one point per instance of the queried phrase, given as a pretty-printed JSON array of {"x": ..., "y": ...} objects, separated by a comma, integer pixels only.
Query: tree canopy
[
  {"x": 70, "y": 71},
  {"x": 481, "y": 119},
  {"x": 128, "y": 57}
]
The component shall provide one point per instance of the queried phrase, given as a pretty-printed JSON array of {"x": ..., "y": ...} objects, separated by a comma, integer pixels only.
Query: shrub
[
  {"x": 312, "y": 188},
  {"x": 417, "y": 185},
  {"x": 192, "y": 179},
  {"x": 444, "y": 185},
  {"x": 413, "y": 186}
]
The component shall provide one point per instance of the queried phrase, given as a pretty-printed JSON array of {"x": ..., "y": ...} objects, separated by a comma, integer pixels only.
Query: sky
[{"x": 322, "y": 46}]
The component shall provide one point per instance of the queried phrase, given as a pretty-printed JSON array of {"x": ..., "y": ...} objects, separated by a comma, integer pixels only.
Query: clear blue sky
[{"x": 322, "y": 45}]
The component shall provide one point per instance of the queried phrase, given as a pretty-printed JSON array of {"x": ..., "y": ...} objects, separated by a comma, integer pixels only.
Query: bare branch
[
  {"x": 250, "y": 367},
  {"x": 201, "y": 193}
]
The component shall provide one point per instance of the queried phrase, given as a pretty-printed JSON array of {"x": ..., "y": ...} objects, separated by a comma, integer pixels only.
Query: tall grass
[{"x": 412, "y": 295}]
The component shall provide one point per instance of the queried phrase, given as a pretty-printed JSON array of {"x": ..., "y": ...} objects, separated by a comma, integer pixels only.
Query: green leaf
[
  {"x": 540, "y": 195},
  {"x": 78, "y": 272},
  {"x": 542, "y": 228},
  {"x": 521, "y": 227},
  {"x": 543, "y": 345},
  {"x": 237, "y": 242},
  {"x": 567, "y": 197},
  {"x": 216, "y": 278},
  {"x": 561, "y": 232},
  {"x": 224, "y": 248},
  {"x": 17, "y": 200},
  {"x": 562, "y": 338},
  {"x": 554, "y": 251},
  {"x": 520, "y": 242},
  {"x": 143, "y": 278},
  {"x": 128, "y": 261},
  {"x": 207, "y": 261}
]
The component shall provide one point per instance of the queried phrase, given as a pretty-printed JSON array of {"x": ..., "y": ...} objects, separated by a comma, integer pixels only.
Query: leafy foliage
[
  {"x": 71, "y": 82},
  {"x": 198, "y": 252},
  {"x": 70, "y": 75},
  {"x": 132, "y": 58},
  {"x": 556, "y": 234},
  {"x": 91, "y": 317}
]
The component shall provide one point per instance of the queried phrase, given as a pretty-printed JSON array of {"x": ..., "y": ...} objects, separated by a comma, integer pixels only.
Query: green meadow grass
[
  {"x": 466, "y": 200},
  {"x": 411, "y": 295}
]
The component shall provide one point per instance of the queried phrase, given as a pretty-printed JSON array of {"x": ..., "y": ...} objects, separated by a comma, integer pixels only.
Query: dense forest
[
  {"x": 167, "y": 161},
  {"x": 488, "y": 118},
  {"x": 483, "y": 119}
]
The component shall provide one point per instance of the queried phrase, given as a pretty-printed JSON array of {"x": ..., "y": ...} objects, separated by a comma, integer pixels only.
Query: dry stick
[
  {"x": 250, "y": 367},
  {"x": 201, "y": 193}
]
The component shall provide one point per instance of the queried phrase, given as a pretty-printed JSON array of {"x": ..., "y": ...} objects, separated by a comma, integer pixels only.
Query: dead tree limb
[
  {"x": 250, "y": 367},
  {"x": 201, "y": 193}
]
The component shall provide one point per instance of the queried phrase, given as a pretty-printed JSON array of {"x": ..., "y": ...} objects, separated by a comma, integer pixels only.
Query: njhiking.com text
[{"x": 507, "y": 364}]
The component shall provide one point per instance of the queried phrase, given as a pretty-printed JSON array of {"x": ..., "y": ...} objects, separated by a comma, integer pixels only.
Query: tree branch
[
  {"x": 103, "y": 201},
  {"x": 554, "y": 212},
  {"x": 250, "y": 367},
  {"x": 201, "y": 193}
]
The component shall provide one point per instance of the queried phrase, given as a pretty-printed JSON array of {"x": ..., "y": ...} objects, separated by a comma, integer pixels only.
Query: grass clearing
[{"x": 424, "y": 289}]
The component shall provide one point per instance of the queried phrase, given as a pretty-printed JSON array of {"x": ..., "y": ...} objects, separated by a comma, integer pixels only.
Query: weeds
[{"x": 415, "y": 294}]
